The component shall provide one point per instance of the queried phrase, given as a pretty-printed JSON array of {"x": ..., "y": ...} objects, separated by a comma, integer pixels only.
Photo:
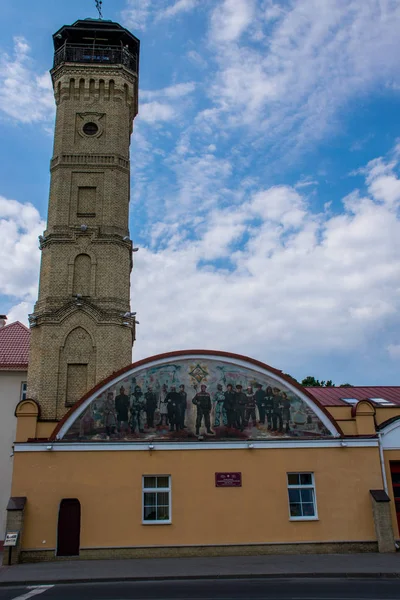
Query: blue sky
[{"x": 265, "y": 190}]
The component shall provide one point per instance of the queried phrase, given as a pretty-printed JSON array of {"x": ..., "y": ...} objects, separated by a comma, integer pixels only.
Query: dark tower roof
[{"x": 96, "y": 41}]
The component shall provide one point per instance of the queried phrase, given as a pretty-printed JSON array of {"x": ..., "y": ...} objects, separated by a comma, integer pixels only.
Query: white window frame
[
  {"x": 300, "y": 486},
  {"x": 154, "y": 490},
  {"x": 24, "y": 389}
]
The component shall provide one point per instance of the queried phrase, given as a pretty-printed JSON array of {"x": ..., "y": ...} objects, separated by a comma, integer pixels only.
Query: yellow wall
[
  {"x": 109, "y": 487},
  {"x": 44, "y": 429},
  {"x": 383, "y": 414}
]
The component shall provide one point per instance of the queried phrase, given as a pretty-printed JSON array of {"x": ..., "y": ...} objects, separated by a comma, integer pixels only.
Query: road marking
[{"x": 34, "y": 591}]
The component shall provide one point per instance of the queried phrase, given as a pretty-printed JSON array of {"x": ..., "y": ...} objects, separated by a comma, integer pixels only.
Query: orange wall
[{"x": 108, "y": 485}]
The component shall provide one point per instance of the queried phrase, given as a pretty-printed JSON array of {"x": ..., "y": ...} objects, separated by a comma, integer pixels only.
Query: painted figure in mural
[
  {"x": 286, "y": 411},
  {"x": 219, "y": 410},
  {"x": 230, "y": 405},
  {"x": 277, "y": 421},
  {"x": 87, "y": 423},
  {"x": 173, "y": 399},
  {"x": 250, "y": 407},
  {"x": 110, "y": 418},
  {"x": 150, "y": 405},
  {"x": 137, "y": 408},
  {"x": 241, "y": 401},
  {"x": 182, "y": 406},
  {"x": 122, "y": 409},
  {"x": 202, "y": 401},
  {"x": 259, "y": 397},
  {"x": 269, "y": 406},
  {"x": 163, "y": 406}
]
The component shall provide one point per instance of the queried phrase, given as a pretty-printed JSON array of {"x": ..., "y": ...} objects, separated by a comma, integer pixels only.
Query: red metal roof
[
  {"x": 333, "y": 396},
  {"x": 14, "y": 347}
]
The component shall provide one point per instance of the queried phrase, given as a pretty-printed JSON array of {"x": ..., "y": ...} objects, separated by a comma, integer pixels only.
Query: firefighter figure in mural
[
  {"x": 151, "y": 405},
  {"x": 250, "y": 407},
  {"x": 230, "y": 406},
  {"x": 277, "y": 420},
  {"x": 269, "y": 406},
  {"x": 182, "y": 406},
  {"x": 122, "y": 410},
  {"x": 202, "y": 401},
  {"x": 259, "y": 397},
  {"x": 173, "y": 399},
  {"x": 241, "y": 401},
  {"x": 219, "y": 410},
  {"x": 137, "y": 408}
]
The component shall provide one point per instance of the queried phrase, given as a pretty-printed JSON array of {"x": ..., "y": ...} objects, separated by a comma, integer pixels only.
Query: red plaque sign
[{"x": 228, "y": 480}]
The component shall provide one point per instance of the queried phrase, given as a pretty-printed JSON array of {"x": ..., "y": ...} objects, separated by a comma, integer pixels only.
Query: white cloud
[
  {"x": 230, "y": 19},
  {"x": 152, "y": 112},
  {"x": 272, "y": 279},
  {"x": 285, "y": 71},
  {"x": 20, "y": 312},
  {"x": 164, "y": 104},
  {"x": 25, "y": 95},
  {"x": 179, "y": 7},
  {"x": 178, "y": 90},
  {"x": 139, "y": 13},
  {"x": 20, "y": 226}
]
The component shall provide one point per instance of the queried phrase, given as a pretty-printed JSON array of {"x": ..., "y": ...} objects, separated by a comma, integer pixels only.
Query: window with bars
[
  {"x": 302, "y": 501},
  {"x": 156, "y": 499}
]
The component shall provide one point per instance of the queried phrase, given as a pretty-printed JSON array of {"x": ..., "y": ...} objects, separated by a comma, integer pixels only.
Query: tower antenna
[{"x": 99, "y": 8}]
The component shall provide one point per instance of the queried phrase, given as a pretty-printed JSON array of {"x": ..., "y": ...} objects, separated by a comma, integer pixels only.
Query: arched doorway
[{"x": 69, "y": 527}]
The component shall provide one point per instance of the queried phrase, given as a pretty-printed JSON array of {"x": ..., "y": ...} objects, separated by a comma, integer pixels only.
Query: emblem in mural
[{"x": 186, "y": 400}]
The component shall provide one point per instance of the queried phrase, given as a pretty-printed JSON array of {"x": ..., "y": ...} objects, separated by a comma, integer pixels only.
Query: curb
[{"x": 302, "y": 575}]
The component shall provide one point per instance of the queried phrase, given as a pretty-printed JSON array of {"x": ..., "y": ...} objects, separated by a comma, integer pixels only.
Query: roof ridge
[
  {"x": 349, "y": 388},
  {"x": 13, "y": 324}
]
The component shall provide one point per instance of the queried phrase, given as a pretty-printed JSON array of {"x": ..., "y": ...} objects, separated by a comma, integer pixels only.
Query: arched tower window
[{"x": 82, "y": 275}]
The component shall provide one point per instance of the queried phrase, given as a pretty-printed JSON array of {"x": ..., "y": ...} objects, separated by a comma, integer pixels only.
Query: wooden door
[
  {"x": 69, "y": 527},
  {"x": 395, "y": 472}
]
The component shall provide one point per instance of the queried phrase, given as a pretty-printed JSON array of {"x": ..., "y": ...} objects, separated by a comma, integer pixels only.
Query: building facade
[
  {"x": 243, "y": 460},
  {"x": 14, "y": 352},
  {"x": 186, "y": 453}
]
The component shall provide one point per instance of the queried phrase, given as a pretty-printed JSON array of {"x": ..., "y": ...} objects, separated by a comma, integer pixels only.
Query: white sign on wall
[{"x": 11, "y": 538}]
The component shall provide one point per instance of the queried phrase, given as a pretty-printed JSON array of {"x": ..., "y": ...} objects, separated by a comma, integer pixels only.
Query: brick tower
[{"x": 82, "y": 327}]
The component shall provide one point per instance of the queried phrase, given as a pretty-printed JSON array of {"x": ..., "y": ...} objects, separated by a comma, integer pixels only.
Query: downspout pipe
[{"x": 384, "y": 479}]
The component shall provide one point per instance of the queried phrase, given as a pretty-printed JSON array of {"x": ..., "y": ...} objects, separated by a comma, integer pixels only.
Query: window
[
  {"x": 301, "y": 490},
  {"x": 24, "y": 387},
  {"x": 156, "y": 499},
  {"x": 382, "y": 402},
  {"x": 350, "y": 400}
]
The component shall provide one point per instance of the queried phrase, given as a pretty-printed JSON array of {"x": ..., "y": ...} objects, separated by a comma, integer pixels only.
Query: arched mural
[{"x": 184, "y": 398}]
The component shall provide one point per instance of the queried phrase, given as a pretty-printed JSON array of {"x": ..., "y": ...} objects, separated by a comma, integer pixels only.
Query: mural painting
[{"x": 196, "y": 399}]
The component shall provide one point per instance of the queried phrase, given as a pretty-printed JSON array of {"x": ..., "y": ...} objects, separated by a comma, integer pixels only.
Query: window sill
[
  {"x": 156, "y": 522},
  {"x": 303, "y": 519}
]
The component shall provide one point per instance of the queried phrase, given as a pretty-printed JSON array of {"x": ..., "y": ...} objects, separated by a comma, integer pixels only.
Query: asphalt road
[{"x": 220, "y": 589}]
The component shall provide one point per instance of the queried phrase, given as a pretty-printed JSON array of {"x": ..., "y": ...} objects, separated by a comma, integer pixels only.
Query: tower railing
[{"x": 104, "y": 55}]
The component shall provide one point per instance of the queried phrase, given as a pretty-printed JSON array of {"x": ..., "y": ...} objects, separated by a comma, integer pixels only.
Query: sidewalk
[{"x": 309, "y": 565}]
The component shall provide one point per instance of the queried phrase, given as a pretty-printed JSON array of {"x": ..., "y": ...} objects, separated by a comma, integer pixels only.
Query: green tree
[{"x": 310, "y": 381}]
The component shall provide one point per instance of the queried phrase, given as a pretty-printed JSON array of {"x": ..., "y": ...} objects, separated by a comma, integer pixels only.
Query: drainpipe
[{"x": 385, "y": 485}]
